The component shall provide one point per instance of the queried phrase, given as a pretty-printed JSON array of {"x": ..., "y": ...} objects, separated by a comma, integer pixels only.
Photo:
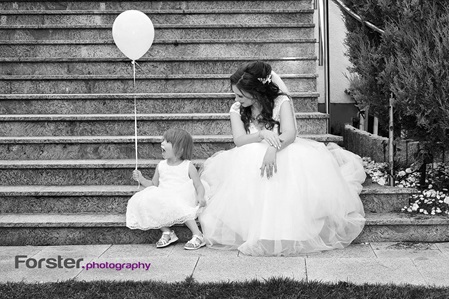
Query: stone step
[
  {"x": 124, "y": 103},
  {"x": 112, "y": 147},
  {"x": 401, "y": 227},
  {"x": 74, "y": 172},
  {"x": 193, "y": 83},
  {"x": 155, "y": 66},
  {"x": 73, "y": 229},
  {"x": 104, "y": 17},
  {"x": 161, "y": 32},
  {"x": 155, "y": 5},
  {"x": 148, "y": 124},
  {"x": 385, "y": 199},
  {"x": 113, "y": 198},
  {"x": 162, "y": 48}
]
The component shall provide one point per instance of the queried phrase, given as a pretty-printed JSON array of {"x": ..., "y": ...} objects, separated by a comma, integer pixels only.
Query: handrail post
[
  {"x": 327, "y": 65},
  {"x": 391, "y": 140}
]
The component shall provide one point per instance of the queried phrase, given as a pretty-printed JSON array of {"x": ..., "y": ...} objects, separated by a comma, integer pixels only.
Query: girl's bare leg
[{"x": 191, "y": 224}]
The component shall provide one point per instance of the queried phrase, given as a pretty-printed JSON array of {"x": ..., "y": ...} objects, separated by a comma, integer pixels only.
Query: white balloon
[{"x": 133, "y": 33}]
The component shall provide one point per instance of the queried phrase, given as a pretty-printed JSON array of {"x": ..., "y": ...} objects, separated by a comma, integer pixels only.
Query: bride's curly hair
[{"x": 251, "y": 78}]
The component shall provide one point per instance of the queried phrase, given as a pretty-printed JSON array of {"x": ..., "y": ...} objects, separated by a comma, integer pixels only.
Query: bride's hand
[
  {"x": 269, "y": 163},
  {"x": 271, "y": 138}
]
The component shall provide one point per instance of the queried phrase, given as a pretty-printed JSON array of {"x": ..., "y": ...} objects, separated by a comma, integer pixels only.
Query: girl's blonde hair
[{"x": 182, "y": 143}]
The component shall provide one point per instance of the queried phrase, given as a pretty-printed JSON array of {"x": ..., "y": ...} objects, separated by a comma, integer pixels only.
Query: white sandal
[
  {"x": 164, "y": 242},
  {"x": 195, "y": 243}
]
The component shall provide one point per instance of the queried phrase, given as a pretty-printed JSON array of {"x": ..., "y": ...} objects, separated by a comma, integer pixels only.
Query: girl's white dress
[
  {"x": 311, "y": 204},
  {"x": 172, "y": 202}
]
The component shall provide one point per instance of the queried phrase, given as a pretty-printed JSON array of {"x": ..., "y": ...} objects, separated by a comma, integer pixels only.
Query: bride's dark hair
[{"x": 249, "y": 79}]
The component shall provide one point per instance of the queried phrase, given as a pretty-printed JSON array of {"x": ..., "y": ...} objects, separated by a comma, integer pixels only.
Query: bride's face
[{"x": 243, "y": 98}]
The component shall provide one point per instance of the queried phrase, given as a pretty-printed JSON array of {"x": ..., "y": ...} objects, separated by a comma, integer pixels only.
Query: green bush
[{"x": 410, "y": 60}]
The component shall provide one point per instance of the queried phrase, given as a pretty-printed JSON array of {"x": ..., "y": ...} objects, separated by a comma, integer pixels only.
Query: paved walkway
[{"x": 418, "y": 264}]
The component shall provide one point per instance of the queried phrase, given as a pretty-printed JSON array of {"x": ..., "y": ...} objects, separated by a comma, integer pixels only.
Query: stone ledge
[
  {"x": 112, "y": 190},
  {"x": 140, "y": 116},
  {"x": 137, "y": 95},
  {"x": 144, "y": 139},
  {"x": 380, "y": 219},
  {"x": 159, "y": 26},
  {"x": 165, "y": 41},
  {"x": 151, "y": 5},
  {"x": 84, "y": 198},
  {"x": 154, "y": 59},
  {"x": 401, "y": 227},
  {"x": 139, "y": 77},
  {"x": 118, "y": 220},
  {"x": 44, "y": 229},
  {"x": 147, "y": 11}
]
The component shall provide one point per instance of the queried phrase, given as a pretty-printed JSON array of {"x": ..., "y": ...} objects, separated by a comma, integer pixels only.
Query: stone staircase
[{"x": 66, "y": 112}]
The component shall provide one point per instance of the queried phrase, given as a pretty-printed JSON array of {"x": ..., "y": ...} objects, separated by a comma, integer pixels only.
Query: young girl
[{"x": 171, "y": 196}]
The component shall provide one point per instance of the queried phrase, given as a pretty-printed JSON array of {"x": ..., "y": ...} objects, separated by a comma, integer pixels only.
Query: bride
[{"x": 276, "y": 193}]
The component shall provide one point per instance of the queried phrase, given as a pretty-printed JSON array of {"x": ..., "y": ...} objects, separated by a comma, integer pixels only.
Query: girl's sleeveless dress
[
  {"x": 172, "y": 202},
  {"x": 311, "y": 204}
]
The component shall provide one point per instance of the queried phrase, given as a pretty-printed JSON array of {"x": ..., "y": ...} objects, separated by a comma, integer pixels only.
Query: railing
[
  {"x": 323, "y": 60},
  {"x": 322, "y": 6}
]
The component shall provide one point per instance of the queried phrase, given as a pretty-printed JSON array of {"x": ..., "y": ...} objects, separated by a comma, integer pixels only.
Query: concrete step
[
  {"x": 148, "y": 124},
  {"x": 155, "y": 5},
  {"x": 71, "y": 229},
  {"x": 161, "y": 32},
  {"x": 213, "y": 16},
  {"x": 162, "y": 48},
  {"x": 193, "y": 83},
  {"x": 112, "y": 147},
  {"x": 124, "y": 103},
  {"x": 146, "y": 66},
  {"x": 113, "y": 198}
]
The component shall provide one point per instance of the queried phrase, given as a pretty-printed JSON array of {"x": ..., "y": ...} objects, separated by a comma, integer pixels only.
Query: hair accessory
[{"x": 265, "y": 80}]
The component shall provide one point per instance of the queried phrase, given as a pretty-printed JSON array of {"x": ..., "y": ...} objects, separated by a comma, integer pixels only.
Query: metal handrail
[
  {"x": 357, "y": 17},
  {"x": 322, "y": 6}
]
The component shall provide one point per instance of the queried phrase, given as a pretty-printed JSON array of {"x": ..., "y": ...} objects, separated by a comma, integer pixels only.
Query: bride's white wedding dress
[{"x": 311, "y": 204}]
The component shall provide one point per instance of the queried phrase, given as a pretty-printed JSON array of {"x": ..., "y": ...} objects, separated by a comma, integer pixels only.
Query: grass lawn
[{"x": 272, "y": 288}]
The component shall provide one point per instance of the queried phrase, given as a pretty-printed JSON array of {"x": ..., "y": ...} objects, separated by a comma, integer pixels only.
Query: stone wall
[{"x": 366, "y": 144}]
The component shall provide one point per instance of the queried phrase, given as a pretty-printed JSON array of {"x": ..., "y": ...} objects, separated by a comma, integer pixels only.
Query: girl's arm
[
  {"x": 193, "y": 174},
  {"x": 137, "y": 176},
  {"x": 239, "y": 134}
]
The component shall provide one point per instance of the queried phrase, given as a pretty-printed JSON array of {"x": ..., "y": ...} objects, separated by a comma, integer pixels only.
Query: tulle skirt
[
  {"x": 156, "y": 207},
  {"x": 311, "y": 204}
]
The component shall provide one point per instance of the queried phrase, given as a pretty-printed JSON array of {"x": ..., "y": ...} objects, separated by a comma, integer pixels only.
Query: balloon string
[{"x": 135, "y": 113}]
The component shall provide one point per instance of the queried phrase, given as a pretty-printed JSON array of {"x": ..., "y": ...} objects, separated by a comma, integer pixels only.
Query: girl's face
[
  {"x": 167, "y": 150},
  {"x": 243, "y": 98}
]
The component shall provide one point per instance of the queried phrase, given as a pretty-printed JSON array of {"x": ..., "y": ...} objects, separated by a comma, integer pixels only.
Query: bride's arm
[
  {"x": 288, "y": 127},
  {"x": 239, "y": 133}
]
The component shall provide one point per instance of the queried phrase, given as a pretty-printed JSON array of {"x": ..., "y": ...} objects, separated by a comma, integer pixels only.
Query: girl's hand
[
  {"x": 271, "y": 138},
  {"x": 137, "y": 175},
  {"x": 269, "y": 163},
  {"x": 201, "y": 201}
]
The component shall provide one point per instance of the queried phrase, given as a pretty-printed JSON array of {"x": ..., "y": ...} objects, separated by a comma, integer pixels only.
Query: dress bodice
[
  {"x": 235, "y": 108},
  {"x": 173, "y": 176}
]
